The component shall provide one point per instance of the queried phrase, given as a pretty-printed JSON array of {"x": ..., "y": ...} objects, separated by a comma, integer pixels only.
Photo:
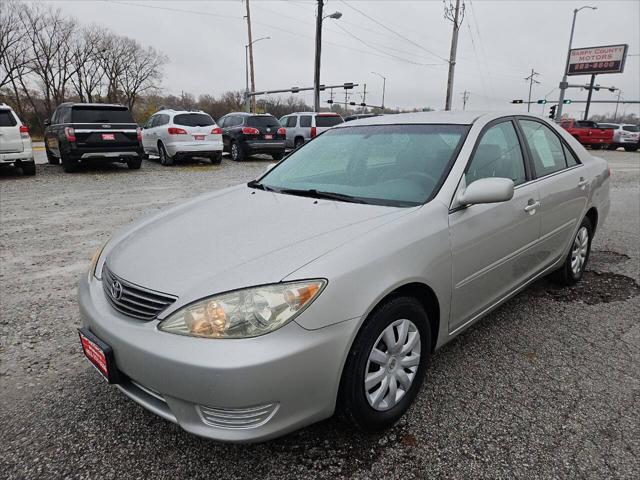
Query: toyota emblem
[{"x": 116, "y": 290}]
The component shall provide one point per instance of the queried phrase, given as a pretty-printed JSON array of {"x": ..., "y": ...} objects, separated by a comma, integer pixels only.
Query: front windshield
[{"x": 398, "y": 165}]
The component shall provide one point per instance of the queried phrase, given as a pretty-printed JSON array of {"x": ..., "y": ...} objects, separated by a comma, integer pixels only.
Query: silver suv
[
  {"x": 173, "y": 134},
  {"x": 626, "y": 136},
  {"x": 15, "y": 142},
  {"x": 303, "y": 126}
]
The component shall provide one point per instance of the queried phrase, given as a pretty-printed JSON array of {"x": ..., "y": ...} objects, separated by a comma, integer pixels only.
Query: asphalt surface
[{"x": 547, "y": 386}]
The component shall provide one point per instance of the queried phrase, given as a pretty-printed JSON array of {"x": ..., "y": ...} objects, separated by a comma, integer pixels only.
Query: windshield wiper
[
  {"x": 313, "y": 193},
  {"x": 260, "y": 186}
]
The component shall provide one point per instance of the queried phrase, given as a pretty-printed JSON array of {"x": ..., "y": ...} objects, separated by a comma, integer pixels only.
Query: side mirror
[
  {"x": 487, "y": 190},
  {"x": 47, "y": 122}
]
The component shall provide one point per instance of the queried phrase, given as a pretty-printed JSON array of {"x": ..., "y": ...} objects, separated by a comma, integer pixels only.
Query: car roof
[
  {"x": 74, "y": 104},
  {"x": 179, "y": 112},
  {"x": 433, "y": 117},
  {"x": 246, "y": 114}
]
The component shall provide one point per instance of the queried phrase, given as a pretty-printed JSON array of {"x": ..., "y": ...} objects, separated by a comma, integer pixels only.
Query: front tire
[
  {"x": 631, "y": 148},
  {"x": 51, "y": 159},
  {"x": 277, "y": 156},
  {"x": 386, "y": 365},
  {"x": 575, "y": 264}
]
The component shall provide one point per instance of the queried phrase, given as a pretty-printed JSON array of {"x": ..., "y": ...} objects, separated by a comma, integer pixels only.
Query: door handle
[
  {"x": 583, "y": 183},
  {"x": 531, "y": 207}
]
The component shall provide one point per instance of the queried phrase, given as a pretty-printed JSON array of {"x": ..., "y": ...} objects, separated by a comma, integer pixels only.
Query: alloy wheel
[
  {"x": 392, "y": 364},
  {"x": 579, "y": 250}
]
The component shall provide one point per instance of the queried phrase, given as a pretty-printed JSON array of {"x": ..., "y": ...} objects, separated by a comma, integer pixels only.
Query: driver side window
[{"x": 498, "y": 154}]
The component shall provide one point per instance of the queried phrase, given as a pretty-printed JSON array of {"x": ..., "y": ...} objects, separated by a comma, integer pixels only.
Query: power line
[{"x": 394, "y": 32}]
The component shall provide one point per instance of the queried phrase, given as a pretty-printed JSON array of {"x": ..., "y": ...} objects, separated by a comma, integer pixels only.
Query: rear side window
[
  {"x": 586, "y": 124},
  {"x": 546, "y": 148},
  {"x": 7, "y": 119},
  {"x": 193, "y": 120},
  {"x": 266, "y": 121},
  {"x": 498, "y": 154},
  {"x": 101, "y": 115},
  {"x": 291, "y": 121},
  {"x": 305, "y": 121},
  {"x": 328, "y": 120},
  {"x": 631, "y": 128},
  {"x": 570, "y": 157}
]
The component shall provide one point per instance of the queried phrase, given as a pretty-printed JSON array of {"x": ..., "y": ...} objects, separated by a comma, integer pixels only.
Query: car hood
[{"x": 236, "y": 238}]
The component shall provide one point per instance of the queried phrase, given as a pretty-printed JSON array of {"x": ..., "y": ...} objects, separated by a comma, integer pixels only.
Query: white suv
[
  {"x": 15, "y": 142},
  {"x": 172, "y": 134}
]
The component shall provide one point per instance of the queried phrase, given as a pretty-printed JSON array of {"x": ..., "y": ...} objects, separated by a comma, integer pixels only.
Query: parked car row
[{"x": 603, "y": 135}]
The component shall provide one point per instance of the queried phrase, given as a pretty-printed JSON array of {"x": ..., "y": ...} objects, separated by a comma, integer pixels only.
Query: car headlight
[
  {"x": 245, "y": 313},
  {"x": 94, "y": 262}
]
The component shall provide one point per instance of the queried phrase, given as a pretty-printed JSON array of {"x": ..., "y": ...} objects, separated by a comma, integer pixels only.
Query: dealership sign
[{"x": 588, "y": 61}]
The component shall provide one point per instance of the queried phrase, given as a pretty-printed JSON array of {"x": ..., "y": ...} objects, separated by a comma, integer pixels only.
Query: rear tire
[
  {"x": 386, "y": 365},
  {"x": 28, "y": 168},
  {"x": 69, "y": 165},
  {"x": 216, "y": 158},
  {"x": 134, "y": 163},
  {"x": 612, "y": 147},
  {"x": 631, "y": 148},
  {"x": 237, "y": 155},
  {"x": 575, "y": 263},
  {"x": 277, "y": 156},
  {"x": 298, "y": 143},
  {"x": 165, "y": 158}
]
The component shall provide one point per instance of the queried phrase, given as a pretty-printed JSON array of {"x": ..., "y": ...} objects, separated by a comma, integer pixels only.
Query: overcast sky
[{"x": 500, "y": 42}]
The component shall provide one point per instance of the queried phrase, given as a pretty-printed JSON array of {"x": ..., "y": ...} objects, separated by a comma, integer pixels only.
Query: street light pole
[
  {"x": 248, "y": 100},
  {"x": 566, "y": 66},
  {"x": 384, "y": 86},
  {"x": 316, "y": 71}
]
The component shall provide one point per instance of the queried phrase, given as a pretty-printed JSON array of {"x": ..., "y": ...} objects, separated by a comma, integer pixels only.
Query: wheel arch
[{"x": 592, "y": 215}]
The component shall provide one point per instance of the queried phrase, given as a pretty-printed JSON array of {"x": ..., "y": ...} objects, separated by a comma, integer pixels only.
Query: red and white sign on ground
[{"x": 607, "y": 59}]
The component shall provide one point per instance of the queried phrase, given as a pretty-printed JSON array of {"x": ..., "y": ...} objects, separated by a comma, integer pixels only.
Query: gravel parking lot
[{"x": 547, "y": 386}]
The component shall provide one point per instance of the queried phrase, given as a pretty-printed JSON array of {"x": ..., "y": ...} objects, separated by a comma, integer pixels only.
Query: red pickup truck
[{"x": 588, "y": 133}]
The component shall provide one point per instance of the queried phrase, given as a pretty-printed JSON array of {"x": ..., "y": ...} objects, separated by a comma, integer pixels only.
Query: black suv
[
  {"x": 79, "y": 132},
  {"x": 245, "y": 134}
]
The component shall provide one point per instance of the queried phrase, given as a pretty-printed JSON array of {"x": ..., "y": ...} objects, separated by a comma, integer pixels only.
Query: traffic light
[
  {"x": 517, "y": 101},
  {"x": 542, "y": 102},
  {"x": 566, "y": 101},
  {"x": 329, "y": 101},
  {"x": 348, "y": 86},
  {"x": 552, "y": 111}
]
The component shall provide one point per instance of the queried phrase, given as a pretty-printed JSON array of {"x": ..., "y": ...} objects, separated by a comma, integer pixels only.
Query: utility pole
[
  {"x": 316, "y": 68},
  {"x": 615, "y": 115},
  {"x": 591, "y": 85},
  {"x": 364, "y": 96},
  {"x": 465, "y": 97},
  {"x": 531, "y": 80},
  {"x": 253, "y": 78},
  {"x": 384, "y": 87},
  {"x": 455, "y": 15}
]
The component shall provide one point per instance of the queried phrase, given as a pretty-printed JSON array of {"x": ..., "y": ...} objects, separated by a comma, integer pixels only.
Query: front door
[{"x": 494, "y": 246}]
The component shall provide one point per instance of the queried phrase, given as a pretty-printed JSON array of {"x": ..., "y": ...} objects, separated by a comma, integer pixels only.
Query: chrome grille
[
  {"x": 134, "y": 301},
  {"x": 237, "y": 417}
]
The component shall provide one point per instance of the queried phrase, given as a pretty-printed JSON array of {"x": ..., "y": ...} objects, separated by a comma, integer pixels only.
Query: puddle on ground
[
  {"x": 599, "y": 259},
  {"x": 596, "y": 288}
]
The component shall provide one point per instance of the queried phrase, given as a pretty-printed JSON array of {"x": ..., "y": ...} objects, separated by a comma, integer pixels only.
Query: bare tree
[
  {"x": 14, "y": 51},
  {"x": 88, "y": 75},
  {"x": 142, "y": 71}
]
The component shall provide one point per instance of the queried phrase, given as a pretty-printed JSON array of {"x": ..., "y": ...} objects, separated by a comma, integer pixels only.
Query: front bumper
[{"x": 290, "y": 376}]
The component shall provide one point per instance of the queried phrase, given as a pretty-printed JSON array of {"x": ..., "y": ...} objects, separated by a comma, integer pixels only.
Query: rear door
[
  {"x": 325, "y": 121},
  {"x": 562, "y": 183},
  {"x": 147, "y": 135},
  {"x": 102, "y": 127},
  {"x": 10, "y": 138},
  {"x": 267, "y": 127},
  {"x": 197, "y": 125},
  {"x": 291, "y": 124}
]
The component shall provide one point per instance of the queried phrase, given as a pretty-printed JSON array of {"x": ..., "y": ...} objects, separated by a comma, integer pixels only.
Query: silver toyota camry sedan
[{"x": 326, "y": 284}]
